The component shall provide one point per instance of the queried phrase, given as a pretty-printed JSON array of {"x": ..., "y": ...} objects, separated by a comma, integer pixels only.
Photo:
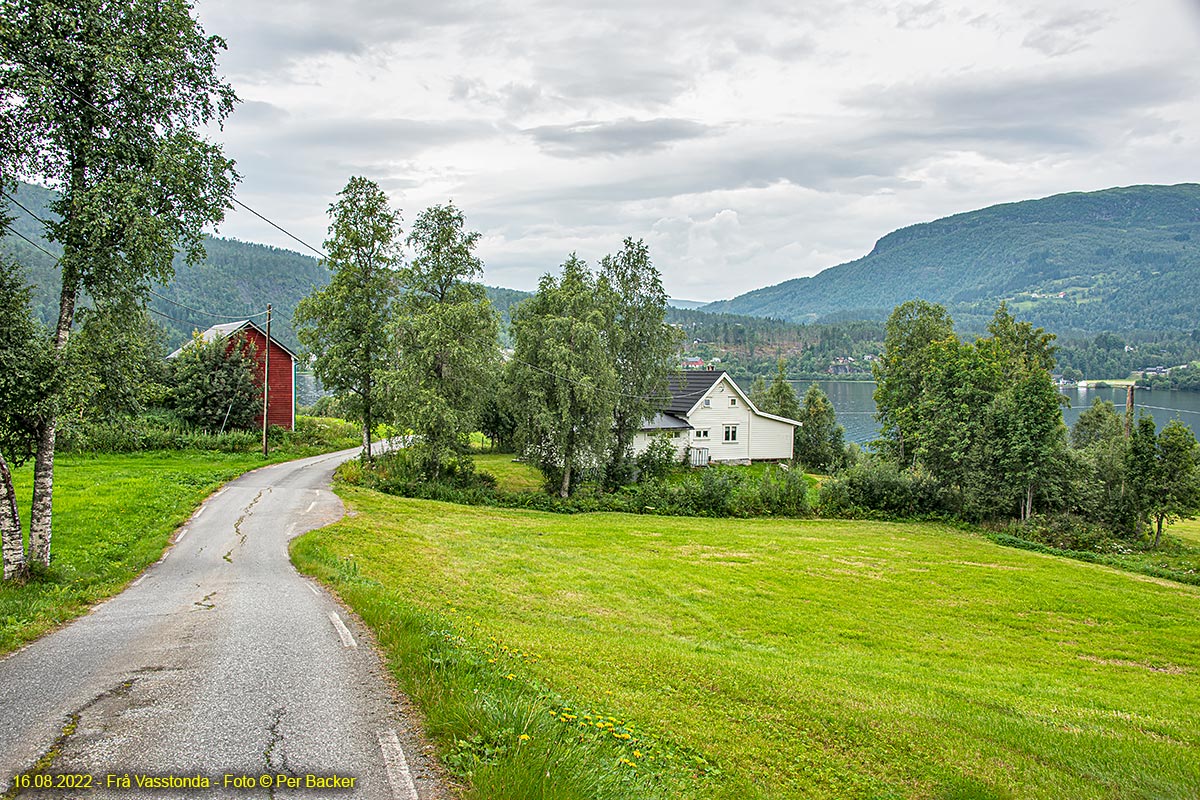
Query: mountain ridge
[{"x": 1124, "y": 249}]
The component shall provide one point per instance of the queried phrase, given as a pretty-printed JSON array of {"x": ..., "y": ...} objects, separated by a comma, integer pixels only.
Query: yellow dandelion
[{"x": 524, "y": 737}]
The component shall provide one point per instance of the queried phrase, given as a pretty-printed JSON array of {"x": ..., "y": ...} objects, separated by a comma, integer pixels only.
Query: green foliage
[
  {"x": 1111, "y": 254},
  {"x": 642, "y": 347},
  {"x": 819, "y": 441},
  {"x": 874, "y": 487},
  {"x": 445, "y": 334},
  {"x": 214, "y": 386},
  {"x": 344, "y": 325},
  {"x": 118, "y": 362},
  {"x": 27, "y": 369},
  {"x": 564, "y": 380},
  {"x": 658, "y": 459}
]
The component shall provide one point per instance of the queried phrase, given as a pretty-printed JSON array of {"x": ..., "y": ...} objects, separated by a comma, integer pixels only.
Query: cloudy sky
[{"x": 747, "y": 142}]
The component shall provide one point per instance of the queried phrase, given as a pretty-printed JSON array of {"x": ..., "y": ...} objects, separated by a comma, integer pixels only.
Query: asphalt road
[{"x": 219, "y": 662}]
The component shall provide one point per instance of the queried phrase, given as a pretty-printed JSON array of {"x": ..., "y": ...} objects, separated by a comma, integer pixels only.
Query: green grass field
[
  {"x": 511, "y": 476},
  {"x": 799, "y": 658},
  {"x": 113, "y": 516}
]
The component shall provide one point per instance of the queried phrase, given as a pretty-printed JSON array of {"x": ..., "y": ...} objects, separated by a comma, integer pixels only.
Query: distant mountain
[
  {"x": 1115, "y": 260},
  {"x": 685, "y": 304},
  {"x": 235, "y": 280}
]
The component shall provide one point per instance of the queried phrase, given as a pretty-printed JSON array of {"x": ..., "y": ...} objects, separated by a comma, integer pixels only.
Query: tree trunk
[
  {"x": 366, "y": 454},
  {"x": 565, "y": 491},
  {"x": 41, "y": 513},
  {"x": 1158, "y": 530},
  {"x": 10, "y": 527},
  {"x": 1028, "y": 510}
]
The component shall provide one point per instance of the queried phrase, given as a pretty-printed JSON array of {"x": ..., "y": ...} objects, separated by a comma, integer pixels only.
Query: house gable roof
[
  {"x": 688, "y": 389},
  {"x": 229, "y": 328}
]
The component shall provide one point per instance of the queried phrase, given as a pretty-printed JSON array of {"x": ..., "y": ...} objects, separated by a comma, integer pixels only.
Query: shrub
[{"x": 881, "y": 487}]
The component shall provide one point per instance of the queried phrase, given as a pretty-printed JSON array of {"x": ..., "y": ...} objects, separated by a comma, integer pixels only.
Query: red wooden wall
[{"x": 280, "y": 399}]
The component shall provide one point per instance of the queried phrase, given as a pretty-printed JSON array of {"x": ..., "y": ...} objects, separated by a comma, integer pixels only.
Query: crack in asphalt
[
  {"x": 237, "y": 526},
  {"x": 43, "y": 762},
  {"x": 275, "y": 745}
]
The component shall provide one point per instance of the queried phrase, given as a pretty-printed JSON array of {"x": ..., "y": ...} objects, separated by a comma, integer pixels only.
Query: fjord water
[{"x": 855, "y": 405}]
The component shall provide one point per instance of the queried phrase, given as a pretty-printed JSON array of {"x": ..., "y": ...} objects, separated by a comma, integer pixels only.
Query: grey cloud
[
  {"x": 618, "y": 137},
  {"x": 257, "y": 112},
  {"x": 1065, "y": 33},
  {"x": 397, "y": 138},
  {"x": 1054, "y": 100}
]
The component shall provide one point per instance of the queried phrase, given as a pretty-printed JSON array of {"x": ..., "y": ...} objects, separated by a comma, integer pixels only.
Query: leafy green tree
[
  {"x": 26, "y": 377},
  {"x": 780, "y": 398},
  {"x": 119, "y": 353},
  {"x": 1177, "y": 491},
  {"x": 1034, "y": 436},
  {"x": 344, "y": 326},
  {"x": 564, "y": 380},
  {"x": 820, "y": 440},
  {"x": 214, "y": 384},
  {"x": 104, "y": 100},
  {"x": 1141, "y": 470},
  {"x": 445, "y": 332},
  {"x": 643, "y": 348},
  {"x": 758, "y": 391},
  {"x": 1099, "y": 422},
  {"x": 900, "y": 374}
]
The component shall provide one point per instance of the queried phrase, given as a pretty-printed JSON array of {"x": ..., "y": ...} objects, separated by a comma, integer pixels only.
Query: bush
[
  {"x": 657, "y": 460},
  {"x": 882, "y": 488},
  {"x": 712, "y": 492}
]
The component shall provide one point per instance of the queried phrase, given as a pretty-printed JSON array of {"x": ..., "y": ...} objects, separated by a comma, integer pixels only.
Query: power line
[
  {"x": 205, "y": 313},
  {"x": 32, "y": 243}
]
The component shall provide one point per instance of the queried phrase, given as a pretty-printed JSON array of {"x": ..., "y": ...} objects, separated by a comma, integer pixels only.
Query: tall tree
[
  {"x": 103, "y": 101},
  {"x": 820, "y": 441},
  {"x": 1177, "y": 491},
  {"x": 900, "y": 374},
  {"x": 26, "y": 374},
  {"x": 643, "y": 348},
  {"x": 780, "y": 398},
  {"x": 563, "y": 377},
  {"x": 345, "y": 324},
  {"x": 445, "y": 331}
]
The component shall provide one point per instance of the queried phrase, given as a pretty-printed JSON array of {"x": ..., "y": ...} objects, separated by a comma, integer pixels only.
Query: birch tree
[
  {"x": 643, "y": 348},
  {"x": 344, "y": 325},
  {"x": 564, "y": 382},
  {"x": 445, "y": 333},
  {"x": 103, "y": 100}
]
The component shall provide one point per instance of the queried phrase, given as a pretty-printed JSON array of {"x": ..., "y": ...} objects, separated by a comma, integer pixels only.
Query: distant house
[
  {"x": 693, "y": 362},
  {"x": 281, "y": 397},
  {"x": 707, "y": 413}
]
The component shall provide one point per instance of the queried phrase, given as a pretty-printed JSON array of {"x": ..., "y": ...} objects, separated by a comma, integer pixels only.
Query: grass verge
[{"x": 796, "y": 658}]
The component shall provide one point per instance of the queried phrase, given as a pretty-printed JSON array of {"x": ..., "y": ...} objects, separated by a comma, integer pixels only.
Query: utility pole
[
  {"x": 1128, "y": 409},
  {"x": 266, "y": 379}
]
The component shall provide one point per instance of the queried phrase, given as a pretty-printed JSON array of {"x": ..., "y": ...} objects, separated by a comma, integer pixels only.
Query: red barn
[{"x": 281, "y": 397}]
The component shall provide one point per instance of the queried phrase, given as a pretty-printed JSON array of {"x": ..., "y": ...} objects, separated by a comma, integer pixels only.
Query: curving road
[{"x": 221, "y": 663}]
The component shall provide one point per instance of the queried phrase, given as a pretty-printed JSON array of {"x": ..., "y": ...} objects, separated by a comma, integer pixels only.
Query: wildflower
[
  {"x": 524, "y": 737},
  {"x": 637, "y": 753},
  {"x": 510, "y": 676}
]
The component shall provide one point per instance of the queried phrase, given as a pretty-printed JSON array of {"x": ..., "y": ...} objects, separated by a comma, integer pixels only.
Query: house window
[
  {"x": 731, "y": 433},
  {"x": 702, "y": 434},
  {"x": 732, "y": 401},
  {"x": 708, "y": 402}
]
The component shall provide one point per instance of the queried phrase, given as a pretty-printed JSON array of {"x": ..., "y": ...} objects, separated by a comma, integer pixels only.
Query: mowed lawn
[
  {"x": 113, "y": 516},
  {"x": 818, "y": 658}
]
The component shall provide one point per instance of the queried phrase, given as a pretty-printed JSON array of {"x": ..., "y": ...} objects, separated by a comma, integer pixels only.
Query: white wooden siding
[
  {"x": 716, "y": 416},
  {"x": 772, "y": 439},
  {"x": 641, "y": 441}
]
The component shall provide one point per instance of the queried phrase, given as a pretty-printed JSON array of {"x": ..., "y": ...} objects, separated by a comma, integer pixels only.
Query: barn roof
[{"x": 230, "y": 328}]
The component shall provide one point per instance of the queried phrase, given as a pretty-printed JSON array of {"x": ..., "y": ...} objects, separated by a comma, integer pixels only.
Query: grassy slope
[
  {"x": 113, "y": 515},
  {"x": 511, "y": 476},
  {"x": 818, "y": 658}
]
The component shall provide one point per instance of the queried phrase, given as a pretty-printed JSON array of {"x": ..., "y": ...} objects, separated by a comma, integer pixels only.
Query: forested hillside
[{"x": 1122, "y": 259}]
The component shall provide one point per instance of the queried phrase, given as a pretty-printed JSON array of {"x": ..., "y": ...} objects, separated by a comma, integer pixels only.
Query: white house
[{"x": 707, "y": 411}]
